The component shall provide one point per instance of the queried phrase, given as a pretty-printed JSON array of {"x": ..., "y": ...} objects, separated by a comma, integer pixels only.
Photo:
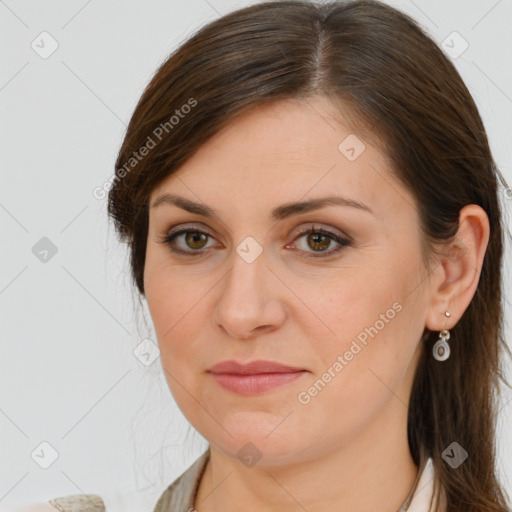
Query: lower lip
[{"x": 256, "y": 383}]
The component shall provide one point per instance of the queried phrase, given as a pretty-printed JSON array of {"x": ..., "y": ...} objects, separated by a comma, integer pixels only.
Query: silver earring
[{"x": 441, "y": 349}]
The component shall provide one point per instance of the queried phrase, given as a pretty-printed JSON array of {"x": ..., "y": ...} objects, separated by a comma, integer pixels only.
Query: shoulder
[{"x": 70, "y": 503}]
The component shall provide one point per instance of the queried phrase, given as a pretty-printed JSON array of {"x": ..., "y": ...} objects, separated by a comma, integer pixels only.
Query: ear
[{"x": 458, "y": 269}]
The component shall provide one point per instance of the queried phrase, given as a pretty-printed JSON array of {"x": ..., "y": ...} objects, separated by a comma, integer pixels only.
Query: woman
[{"x": 312, "y": 212}]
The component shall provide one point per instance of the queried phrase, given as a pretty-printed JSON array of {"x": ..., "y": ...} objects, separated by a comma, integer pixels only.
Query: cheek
[
  {"x": 372, "y": 298},
  {"x": 175, "y": 308},
  {"x": 348, "y": 305},
  {"x": 368, "y": 316},
  {"x": 362, "y": 368}
]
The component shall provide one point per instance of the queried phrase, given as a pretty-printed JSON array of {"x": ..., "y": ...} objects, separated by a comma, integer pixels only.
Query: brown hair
[{"x": 380, "y": 64}]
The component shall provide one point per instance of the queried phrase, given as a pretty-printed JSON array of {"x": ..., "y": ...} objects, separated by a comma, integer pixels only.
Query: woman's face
[{"x": 250, "y": 283}]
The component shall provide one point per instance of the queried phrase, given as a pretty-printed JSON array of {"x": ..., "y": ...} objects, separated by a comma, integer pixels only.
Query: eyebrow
[{"x": 281, "y": 212}]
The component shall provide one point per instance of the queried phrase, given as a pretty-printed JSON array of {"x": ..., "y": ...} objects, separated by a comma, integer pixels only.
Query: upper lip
[{"x": 253, "y": 367}]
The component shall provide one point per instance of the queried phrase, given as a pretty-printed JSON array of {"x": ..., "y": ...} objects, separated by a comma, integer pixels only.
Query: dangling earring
[{"x": 441, "y": 349}]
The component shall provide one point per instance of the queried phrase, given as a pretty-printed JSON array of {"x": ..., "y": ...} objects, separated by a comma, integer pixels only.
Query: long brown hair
[{"x": 403, "y": 91}]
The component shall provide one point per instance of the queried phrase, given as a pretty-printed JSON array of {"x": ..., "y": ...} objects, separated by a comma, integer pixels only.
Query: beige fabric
[
  {"x": 179, "y": 496},
  {"x": 70, "y": 503},
  {"x": 181, "y": 493},
  {"x": 78, "y": 503}
]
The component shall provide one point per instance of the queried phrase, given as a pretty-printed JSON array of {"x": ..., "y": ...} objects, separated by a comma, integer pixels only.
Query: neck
[{"x": 374, "y": 471}]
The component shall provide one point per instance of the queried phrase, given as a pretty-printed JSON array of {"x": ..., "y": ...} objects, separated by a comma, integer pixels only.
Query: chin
[{"x": 251, "y": 441}]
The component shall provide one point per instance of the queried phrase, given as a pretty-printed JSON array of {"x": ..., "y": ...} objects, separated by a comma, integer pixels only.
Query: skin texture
[{"x": 286, "y": 307}]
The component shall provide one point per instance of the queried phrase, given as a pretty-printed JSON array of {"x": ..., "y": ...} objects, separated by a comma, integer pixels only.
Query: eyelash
[{"x": 343, "y": 242}]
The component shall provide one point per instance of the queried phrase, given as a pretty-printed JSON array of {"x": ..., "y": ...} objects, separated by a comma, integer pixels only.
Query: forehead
[{"x": 284, "y": 151}]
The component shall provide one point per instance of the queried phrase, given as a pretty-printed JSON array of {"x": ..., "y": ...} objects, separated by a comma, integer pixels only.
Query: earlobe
[{"x": 460, "y": 264}]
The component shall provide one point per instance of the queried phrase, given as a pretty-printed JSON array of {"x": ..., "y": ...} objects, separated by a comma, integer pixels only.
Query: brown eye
[
  {"x": 192, "y": 241},
  {"x": 196, "y": 239},
  {"x": 319, "y": 240}
]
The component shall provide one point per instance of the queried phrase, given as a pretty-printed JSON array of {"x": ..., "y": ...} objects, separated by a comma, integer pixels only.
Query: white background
[{"x": 69, "y": 326}]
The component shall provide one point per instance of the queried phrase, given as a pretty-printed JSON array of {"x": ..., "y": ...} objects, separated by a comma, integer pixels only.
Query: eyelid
[
  {"x": 317, "y": 226},
  {"x": 189, "y": 227}
]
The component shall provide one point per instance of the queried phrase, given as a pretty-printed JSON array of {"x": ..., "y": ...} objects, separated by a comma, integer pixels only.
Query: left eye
[
  {"x": 320, "y": 239},
  {"x": 317, "y": 239}
]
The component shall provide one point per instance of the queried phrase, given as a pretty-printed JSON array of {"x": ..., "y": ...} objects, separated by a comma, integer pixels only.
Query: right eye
[{"x": 194, "y": 239}]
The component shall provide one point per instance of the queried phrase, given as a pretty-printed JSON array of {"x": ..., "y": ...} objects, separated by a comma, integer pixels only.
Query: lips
[
  {"x": 252, "y": 368},
  {"x": 255, "y": 377}
]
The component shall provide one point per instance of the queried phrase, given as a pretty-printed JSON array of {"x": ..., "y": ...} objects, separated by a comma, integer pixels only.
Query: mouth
[{"x": 255, "y": 377}]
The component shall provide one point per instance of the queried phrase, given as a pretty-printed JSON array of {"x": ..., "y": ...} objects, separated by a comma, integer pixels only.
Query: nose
[{"x": 250, "y": 299}]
